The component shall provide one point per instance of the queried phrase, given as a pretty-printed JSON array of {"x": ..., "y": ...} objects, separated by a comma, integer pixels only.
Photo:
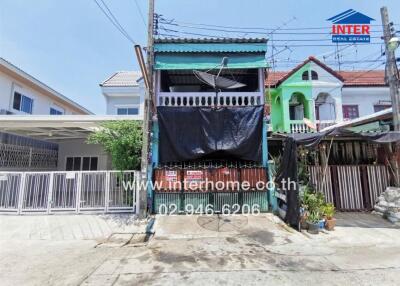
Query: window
[
  {"x": 22, "y": 103},
  {"x": 314, "y": 75},
  {"x": 350, "y": 111},
  {"x": 380, "y": 107},
  {"x": 304, "y": 76},
  {"x": 54, "y": 111},
  {"x": 127, "y": 111},
  {"x": 81, "y": 164}
]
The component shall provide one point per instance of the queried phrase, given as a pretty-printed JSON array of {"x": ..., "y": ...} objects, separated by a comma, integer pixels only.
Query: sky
[{"x": 71, "y": 46}]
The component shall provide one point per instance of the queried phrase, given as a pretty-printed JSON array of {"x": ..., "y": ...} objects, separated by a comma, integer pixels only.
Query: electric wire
[
  {"x": 110, "y": 16},
  {"x": 140, "y": 13}
]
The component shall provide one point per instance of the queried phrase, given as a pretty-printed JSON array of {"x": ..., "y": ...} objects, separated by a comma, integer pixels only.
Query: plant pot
[
  {"x": 313, "y": 228},
  {"x": 303, "y": 221},
  {"x": 330, "y": 224},
  {"x": 322, "y": 224}
]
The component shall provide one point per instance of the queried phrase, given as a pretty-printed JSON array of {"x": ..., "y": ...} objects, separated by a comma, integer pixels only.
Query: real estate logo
[{"x": 350, "y": 27}]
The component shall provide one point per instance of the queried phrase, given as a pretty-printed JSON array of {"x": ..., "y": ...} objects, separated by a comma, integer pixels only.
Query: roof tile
[
  {"x": 123, "y": 78},
  {"x": 350, "y": 78}
]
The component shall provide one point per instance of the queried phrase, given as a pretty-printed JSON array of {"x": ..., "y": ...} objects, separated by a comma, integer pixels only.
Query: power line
[
  {"x": 362, "y": 74},
  {"x": 285, "y": 40},
  {"x": 140, "y": 12},
  {"x": 295, "y": 31},
  {"x": 330, "y": 62},
  {"x": 110, "y": 16},
  {"x": 252, "y": 28}
]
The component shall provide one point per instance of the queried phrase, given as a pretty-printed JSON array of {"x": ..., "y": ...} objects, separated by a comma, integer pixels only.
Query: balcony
[
  {"x": 209, "y": 99},
  {"x": 183, "y": 88},
  {"x": 298, "y": 126}
]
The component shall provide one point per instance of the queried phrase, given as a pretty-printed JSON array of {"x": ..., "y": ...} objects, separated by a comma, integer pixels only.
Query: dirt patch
[
  {"x": 263, "y": 237},
  {"x": 232, "y": 240},
  {"x": 170, "y": 257}
]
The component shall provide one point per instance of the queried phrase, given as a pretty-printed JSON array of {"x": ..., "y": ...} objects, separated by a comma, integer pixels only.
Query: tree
[{"x": 123, "y": 141}]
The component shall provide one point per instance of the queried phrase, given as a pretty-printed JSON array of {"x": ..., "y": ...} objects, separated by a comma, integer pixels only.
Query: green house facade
[{"x": 310, "y": 93}]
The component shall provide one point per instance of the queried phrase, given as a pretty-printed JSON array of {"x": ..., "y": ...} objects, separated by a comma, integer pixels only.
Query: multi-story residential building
[
  {"x": 210, "y": 120},
  {"x": 124, "y": 93},
  {"x": 314, "y": 91},
  {"x": 21, "y": 93},
  {"x": 31, "y": 138}
]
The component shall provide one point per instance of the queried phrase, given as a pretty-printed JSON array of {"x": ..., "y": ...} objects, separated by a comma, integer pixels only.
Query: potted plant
[
  {"x": 313, "y": 222},
  {"x": 329, "y": 212},
  {"x": 313, "y": 205}
]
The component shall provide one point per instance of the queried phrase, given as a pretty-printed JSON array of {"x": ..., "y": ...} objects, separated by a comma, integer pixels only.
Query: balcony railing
[
  {"x": 298, "y": 126},
  {"x": 209, "y": 99}
]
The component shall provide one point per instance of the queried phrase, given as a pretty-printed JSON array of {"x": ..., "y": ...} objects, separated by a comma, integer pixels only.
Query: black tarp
[
  {"x": 288, "y": 166},
  {"x": 189, "y": 133},
  {"x": 288, "y": 171},
  {"x": 309, "y": 140}
]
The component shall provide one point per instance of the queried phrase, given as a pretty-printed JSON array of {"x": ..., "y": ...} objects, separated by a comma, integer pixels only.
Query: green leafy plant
[
  {"x": 329, "y": 210},
  {"x": 313, "y": 217},
  {"x": 313, "y": 204},
  {"x": 123, "y": 141}
]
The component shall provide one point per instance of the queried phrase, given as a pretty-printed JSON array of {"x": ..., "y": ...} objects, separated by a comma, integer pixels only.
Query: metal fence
[
  {"x": 350, "y": 187},
  {"x": 77, "y": 192},
  {"x": 27, "y": 157}
]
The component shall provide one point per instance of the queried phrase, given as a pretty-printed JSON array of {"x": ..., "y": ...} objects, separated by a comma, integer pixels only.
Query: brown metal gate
[
  {"x": 350, "y": 187},
  {"x": 178, "y": 189}
]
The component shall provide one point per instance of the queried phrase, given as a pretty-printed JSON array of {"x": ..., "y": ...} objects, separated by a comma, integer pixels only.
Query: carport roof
[{"x": 56, "y": 128}]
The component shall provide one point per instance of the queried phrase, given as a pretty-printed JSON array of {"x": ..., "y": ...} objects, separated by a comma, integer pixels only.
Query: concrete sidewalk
[
  {"x": 196, "y": 250},
  {"x": 67, "y": 227}
]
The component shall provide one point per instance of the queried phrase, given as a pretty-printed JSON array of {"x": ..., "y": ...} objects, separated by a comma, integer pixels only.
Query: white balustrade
[
  {"x": 298, "y": 126},
  {"x": 209, "y": 99}
]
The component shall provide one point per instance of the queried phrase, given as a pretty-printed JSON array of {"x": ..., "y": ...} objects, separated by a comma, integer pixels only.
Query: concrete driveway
[{"x": 236, "y": 250}]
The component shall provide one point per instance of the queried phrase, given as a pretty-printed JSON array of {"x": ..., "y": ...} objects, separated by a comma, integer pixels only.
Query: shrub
[{"x": 123, "y": 141}]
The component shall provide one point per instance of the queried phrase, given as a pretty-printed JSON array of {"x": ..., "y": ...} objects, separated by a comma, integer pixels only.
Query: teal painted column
[
  {"x": 264, "y": 144},
  {"x": 154, "y": 144},
  {"x": 154, "y": 162}
]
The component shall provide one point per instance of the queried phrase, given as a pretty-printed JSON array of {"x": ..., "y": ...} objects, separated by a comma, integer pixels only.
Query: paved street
[{"x": 195, "y": 250}]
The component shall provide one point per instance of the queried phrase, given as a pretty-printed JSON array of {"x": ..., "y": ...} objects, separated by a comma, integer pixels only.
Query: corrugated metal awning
[
  {"x": 208, "y": 61},
  {"x": 210, "y": 47}
]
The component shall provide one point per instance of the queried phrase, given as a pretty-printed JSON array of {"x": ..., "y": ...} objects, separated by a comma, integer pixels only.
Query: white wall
[
  {"x": 41, "y": 102},
  {"x": 5, "y": 91},
  {"x": 124, "y": 97},
  {"x": 79, "y": 148},
  {"x": 327, "y": 83},
  {"x": 364, "y": 97},
  {"x": 115, "y": 102}
]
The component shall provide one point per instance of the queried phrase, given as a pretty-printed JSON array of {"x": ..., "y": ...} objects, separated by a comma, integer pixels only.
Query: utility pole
[
  {"x": 391, "y": 69},
  {"x": 391, "y": 76},
  {"x": 147, "y": 113}
]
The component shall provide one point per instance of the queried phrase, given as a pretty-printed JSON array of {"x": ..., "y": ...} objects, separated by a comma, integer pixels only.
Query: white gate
[{"x": 78, "y": 192}]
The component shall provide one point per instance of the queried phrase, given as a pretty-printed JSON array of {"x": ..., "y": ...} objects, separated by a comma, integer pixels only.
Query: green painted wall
[{"x": 280, "y": 97}]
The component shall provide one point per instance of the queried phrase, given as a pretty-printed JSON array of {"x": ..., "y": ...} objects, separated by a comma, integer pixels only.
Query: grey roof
[
  {"x": 210, "y": 40},
  {"x": 123, "y": 78}
]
